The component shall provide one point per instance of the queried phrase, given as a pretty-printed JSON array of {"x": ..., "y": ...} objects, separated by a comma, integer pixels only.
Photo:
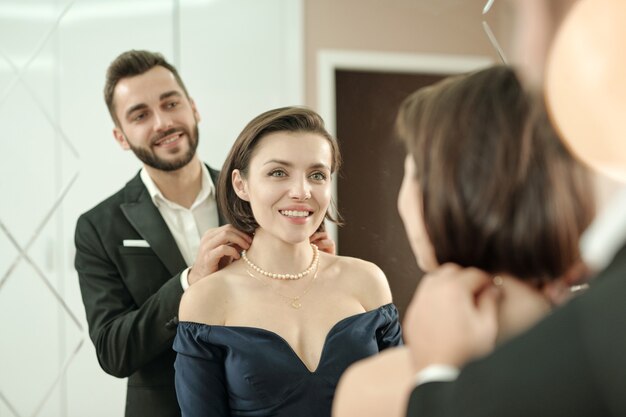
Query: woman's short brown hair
[
  {"x": 499, "y": 189},
  {"x": 286, "y": 119}
]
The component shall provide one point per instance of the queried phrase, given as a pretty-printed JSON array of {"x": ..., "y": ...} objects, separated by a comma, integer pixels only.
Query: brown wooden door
[{"x": 367, "y": 187}]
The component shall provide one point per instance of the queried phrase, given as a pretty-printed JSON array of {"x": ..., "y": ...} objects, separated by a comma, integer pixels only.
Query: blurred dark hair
[{"x": 499, "y": 189}]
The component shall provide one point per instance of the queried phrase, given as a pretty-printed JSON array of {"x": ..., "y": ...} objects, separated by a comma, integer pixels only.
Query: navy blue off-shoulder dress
[{"x": 226, "y": 371}]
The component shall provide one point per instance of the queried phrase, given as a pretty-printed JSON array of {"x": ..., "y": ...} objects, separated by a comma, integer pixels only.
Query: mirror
[{"x": 237, "y": 57}]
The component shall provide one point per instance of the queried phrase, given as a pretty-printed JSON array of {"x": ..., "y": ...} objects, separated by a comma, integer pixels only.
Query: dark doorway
[{"x": 367, "y": 188}]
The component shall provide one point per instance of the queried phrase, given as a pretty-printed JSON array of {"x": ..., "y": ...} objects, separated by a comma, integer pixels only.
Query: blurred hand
[
  {"x": 452, "y": 317},
  {"x": 323, "y": 242},
  {"x": 218, "y": 248}
]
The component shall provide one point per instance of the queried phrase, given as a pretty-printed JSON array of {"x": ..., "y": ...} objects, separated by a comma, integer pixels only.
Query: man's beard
[{"x": 148, "y": 157}]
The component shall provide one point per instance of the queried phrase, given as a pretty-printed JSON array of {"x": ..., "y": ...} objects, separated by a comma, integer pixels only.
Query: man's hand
[
  {"x": 218, "y": 248},
  {"x": 323, "y": 242},
  {"x": 452, "y": 317}
]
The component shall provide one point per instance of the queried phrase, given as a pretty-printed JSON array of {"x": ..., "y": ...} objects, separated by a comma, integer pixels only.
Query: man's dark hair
[{"x": 130, "y": 64}]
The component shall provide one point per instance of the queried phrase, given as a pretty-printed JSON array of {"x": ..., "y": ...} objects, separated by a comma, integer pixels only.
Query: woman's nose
[{"x": 300, "y": 190}]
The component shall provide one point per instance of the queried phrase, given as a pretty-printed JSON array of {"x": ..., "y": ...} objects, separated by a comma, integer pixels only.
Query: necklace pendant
[{"x": 295, "y": 303}]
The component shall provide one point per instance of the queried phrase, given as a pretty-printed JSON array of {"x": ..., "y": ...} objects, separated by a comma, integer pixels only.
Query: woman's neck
[{"x": 277, "y": 256}]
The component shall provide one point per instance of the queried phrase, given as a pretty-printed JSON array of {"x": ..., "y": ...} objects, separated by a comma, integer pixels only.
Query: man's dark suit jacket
[
  {"x": 571, "y": 364},
  {"x": 131, "y": 295}
]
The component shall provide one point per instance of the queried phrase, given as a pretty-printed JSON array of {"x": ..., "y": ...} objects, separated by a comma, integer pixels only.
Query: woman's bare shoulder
[
  {"x": 378, "y": 385},
  {"x": 365, "y": 279},
  {"x": 206, "y": 300}
]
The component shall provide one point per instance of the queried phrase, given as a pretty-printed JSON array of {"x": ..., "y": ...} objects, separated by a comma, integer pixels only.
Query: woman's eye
[
  {"x": 278, "y": 173},
  {"x": 318, "y": 176}
]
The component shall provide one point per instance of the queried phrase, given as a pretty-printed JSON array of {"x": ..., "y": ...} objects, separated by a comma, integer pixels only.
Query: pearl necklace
[{"x": 314, "y": 262}]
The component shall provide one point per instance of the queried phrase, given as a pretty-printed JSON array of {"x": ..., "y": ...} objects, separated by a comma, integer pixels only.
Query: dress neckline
[{"x": 284, "y": 341}]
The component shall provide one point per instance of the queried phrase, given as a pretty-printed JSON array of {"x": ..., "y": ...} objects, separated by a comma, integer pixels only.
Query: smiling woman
[{"x": 299, "y": 304}]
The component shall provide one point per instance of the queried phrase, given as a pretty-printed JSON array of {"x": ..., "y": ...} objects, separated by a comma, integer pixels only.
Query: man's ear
[
  {"x": 120, "y": 138},
  {"x": 240, "y": 185},
  {"x": 195, "y": 110}
]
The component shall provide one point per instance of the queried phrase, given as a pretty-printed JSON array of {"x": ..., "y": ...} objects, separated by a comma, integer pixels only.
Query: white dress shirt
[
  {"x": 187, "y": 225},
  {"x": 606, "y": 234}
]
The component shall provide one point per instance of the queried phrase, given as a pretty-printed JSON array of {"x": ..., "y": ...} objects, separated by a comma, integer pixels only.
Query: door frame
[{"x": 330, "y": 60}]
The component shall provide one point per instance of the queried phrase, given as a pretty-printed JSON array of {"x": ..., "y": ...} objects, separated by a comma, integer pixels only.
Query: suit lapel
[{"x": 146, "y": 219}]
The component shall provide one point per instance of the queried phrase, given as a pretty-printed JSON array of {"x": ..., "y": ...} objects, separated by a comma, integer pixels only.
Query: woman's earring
[{"x": 497, "y": 281}]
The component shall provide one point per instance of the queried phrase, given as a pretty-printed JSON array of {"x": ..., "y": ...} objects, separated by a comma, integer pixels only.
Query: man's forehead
[{"x": 154, "y": 84}]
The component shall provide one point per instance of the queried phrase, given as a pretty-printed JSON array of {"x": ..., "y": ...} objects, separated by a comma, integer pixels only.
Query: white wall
[{"x": 237, "y": 57}]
